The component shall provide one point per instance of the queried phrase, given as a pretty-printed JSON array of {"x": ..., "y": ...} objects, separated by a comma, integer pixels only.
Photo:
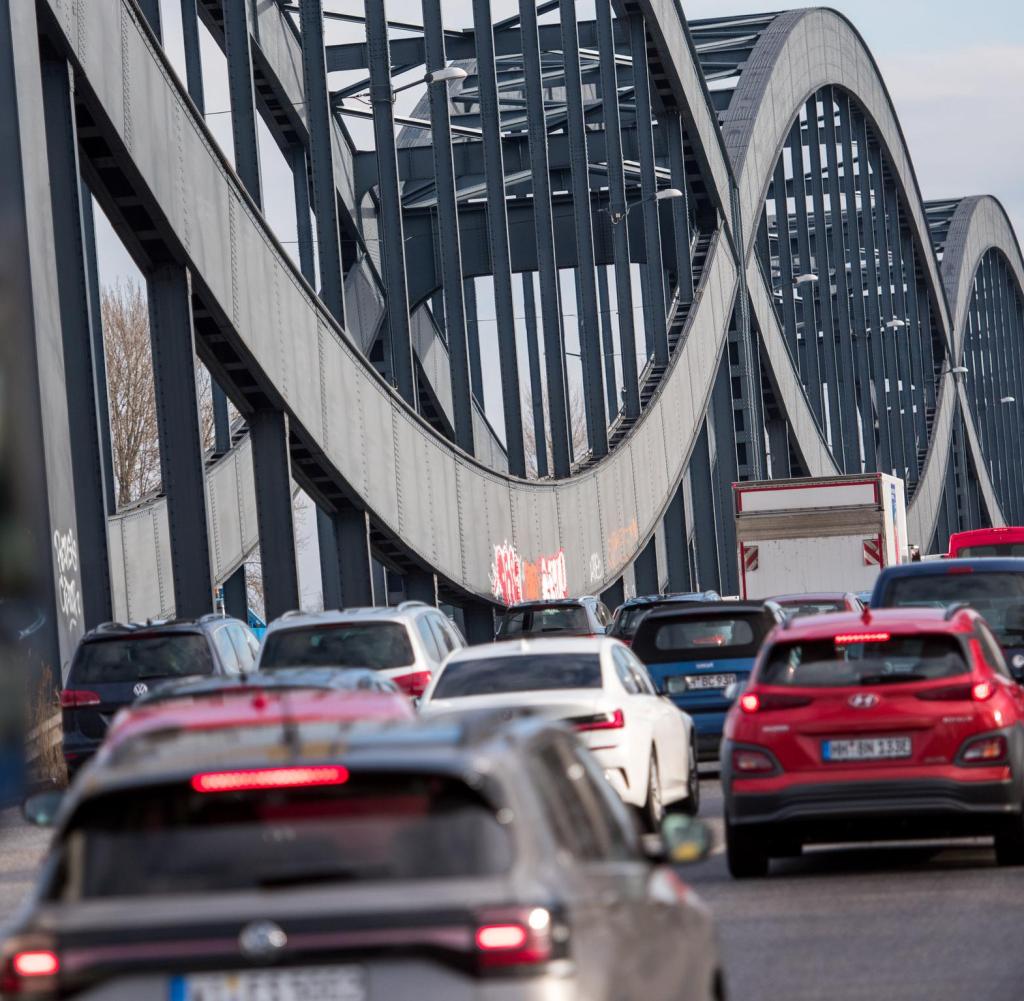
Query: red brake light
[
  {"x": 414, "y": 684},
  {"x": 947, "y": 693},
  {"x": 982, "y": 690},
  {"x": 37, "y": 963},
  {"x": 270, "y": 778},
  {"x": 750, "y": 702},
  {"x": 752, "y": 761},
  {"x": 959, "y": 569},
  {"x": 72, "y": 698},
  {"x": 845, "y": 639},
  {"x": 602, "y": 721},
  {"x": 494, "y": 938}
]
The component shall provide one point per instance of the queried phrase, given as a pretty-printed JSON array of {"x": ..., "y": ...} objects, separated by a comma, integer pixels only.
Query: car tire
[
  {"x": 654, "y": 807},
  {"x": 691, "y": 805},
  {"x": 1010, "y": 842},
  {"x": 745, "y": 856}
]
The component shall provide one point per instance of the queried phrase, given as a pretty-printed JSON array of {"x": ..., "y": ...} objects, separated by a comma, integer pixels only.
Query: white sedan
[{"x": 644, "y": 743}]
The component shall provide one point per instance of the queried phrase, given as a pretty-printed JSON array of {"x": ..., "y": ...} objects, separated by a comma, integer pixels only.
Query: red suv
[{"x": 896, "y": 723}]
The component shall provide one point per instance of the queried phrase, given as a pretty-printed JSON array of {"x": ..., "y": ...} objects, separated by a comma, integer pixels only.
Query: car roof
[
  {"x": 278, "y": 677},
  {"x": 109, "y": 630},
  {"x": 264, "y": 707},
  {"x": 556, "y": 602},
  {"x": 446, "y": 743},
  {"x": 384, "y": 613},
  {"x": 666, "y": 599},
  {"x": 984, "y": 564},
  {"x": 781, "y": 599},
  {"x": 695, "y": 609},
  {"x": 906, "y": 619},
  {"x": 535, "y": 647}
]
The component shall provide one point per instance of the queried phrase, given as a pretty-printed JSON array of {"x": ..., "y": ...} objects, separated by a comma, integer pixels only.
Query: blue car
[
  {"x": 994, "y": 586},
  {"x": 694, "y": 652},
  {"x": 632, "y": 610}
]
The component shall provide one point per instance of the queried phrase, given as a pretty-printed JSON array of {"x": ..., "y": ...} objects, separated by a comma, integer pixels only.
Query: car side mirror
[
  {"x": 734, "y": 690},
  {"x": 683, "y": 840},
  {"x": 1016, "y": 666},
  {"x": 41, "y": 808}
]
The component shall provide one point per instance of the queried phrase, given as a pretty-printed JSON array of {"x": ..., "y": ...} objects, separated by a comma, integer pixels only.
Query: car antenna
[{"x": 865, "y": 616}]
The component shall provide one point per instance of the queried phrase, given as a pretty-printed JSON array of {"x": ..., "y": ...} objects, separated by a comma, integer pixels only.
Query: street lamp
[
  {"x": 663, "y": 195},
  {"x": 895, "y": 324},
  {"x": 443, "y": 75},
  {"x": 807, "y": 277},
  {"x": 1008, "y": 399}
]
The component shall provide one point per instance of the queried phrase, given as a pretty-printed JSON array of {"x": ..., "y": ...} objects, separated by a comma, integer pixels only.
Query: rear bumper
[{"x": 78, "y": 749}]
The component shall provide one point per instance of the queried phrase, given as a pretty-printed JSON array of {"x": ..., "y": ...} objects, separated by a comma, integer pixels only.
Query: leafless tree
[
  {"x": 133, "y": 428},
  {"x": 131, "y": 398},
  {"x": 577, "y": 429}
]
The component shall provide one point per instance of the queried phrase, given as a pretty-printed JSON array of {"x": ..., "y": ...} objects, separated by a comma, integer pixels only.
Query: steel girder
[{"x": 435, "y": 510}]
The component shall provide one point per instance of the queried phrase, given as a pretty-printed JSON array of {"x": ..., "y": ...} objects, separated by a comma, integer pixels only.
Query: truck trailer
[{"x": 830, "y": 533}]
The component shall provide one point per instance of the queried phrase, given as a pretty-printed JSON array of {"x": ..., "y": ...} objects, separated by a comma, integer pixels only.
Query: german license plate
[
  {"x": 700, "y": 682},
  {"x": 865, "y": 749},
  {"x": 301, "y": 983}
]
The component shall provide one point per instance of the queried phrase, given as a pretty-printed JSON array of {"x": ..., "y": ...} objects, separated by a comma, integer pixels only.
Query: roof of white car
[
  {"x": 395, "y": 613},
  {"x": 531, "y": 647}
]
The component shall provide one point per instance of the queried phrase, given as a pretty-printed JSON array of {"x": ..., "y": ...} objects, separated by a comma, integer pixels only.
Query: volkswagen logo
[
  {"x": 863, "y": 700},
  {"x": 140, "y": 689},
  {"x": 262, "y": 939}
]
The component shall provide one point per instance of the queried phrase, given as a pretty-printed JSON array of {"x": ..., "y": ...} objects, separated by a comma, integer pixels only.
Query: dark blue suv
[
  {"x": 993, "y": 586},
  {"x": 632, "y": 610},
  {"x": 694, "y": 652}
]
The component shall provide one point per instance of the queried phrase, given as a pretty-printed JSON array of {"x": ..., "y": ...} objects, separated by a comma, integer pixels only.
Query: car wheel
[
  {"x": 746, "y": 858},
  {"x": 1010, "y": 842},
  {"x": 654, "y": 807},
  {"x": 691, "y": 804}
]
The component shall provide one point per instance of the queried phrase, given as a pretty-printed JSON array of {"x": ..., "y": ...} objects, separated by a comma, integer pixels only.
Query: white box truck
[{"x": 830, "y": 533}]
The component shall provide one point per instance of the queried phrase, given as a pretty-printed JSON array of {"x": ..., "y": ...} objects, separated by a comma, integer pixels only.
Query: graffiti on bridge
[{"x": 515, "y": 579}]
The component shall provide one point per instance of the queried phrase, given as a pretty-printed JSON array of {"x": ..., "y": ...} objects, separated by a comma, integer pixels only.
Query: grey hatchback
[{"x": 449, "y": 860}]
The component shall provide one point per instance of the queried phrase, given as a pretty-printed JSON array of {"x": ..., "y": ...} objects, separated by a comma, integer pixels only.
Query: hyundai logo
[
  {"x": 863, "y": 700},
  {"x": 140, "y": 689},
  {"x": 262, "y": 939}
]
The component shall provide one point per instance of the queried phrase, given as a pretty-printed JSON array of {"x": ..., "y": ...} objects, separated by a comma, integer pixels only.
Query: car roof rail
[
  {"x": 953, "y": 608},
  {"x": 774, "y": 606},
  {"x": 403, "y": 606}
]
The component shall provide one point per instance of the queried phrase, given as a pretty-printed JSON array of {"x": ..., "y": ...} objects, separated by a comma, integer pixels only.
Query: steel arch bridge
[{"x": 722, "y": 216}]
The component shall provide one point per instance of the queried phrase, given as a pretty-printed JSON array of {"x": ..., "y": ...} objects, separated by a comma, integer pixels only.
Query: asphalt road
[{"x": 864, "y": 924}]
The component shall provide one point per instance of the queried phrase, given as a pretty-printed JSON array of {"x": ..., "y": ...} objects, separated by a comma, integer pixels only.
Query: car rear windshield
[
  {"x": 172, "y": 840},
  {"x": 130, "y": 658},
  {"x": 992, "y": 549},
  {"x": 377, "y": 645},
  {"x": 701, "y": 637},
  {"x": 544, "y": 619},
  {"x": 827, "y": 664},
  {"x": 498, "y": 675},
  {"x": 796, "y": 608},
  {"x": 999, "y": 596}
]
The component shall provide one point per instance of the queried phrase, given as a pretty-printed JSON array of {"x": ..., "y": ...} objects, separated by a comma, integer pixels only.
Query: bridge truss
[{"x": 710, "y": 233}]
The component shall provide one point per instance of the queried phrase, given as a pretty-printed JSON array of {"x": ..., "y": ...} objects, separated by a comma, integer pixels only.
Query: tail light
[
  {"x": 519, "y": 939},
  {"x": 270, "y": 778},
  {"x": 30, "y": 971},
  {"x": 980, "y": 691},
  {"x": 72, "y": 698},
  {"x": 748, "y": 761},
  {"x": 753, "y": 702},
  {"x": 987, "y": 750},
  {"x": 601, "y": 721},
  {"x": 414, "y": 684}
]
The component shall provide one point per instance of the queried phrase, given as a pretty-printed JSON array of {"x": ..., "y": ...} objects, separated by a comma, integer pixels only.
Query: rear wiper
[{"x": 890, "y": 679}]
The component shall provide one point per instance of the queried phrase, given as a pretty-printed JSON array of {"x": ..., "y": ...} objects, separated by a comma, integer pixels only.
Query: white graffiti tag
[
  {"x": 596, "y": 568},
  {"x": 553, "y": 578},
  {"x": 65, "y": 548}
]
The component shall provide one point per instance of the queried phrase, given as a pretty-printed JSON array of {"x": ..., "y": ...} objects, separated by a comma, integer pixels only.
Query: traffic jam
[{"x": 359, "y": 806}]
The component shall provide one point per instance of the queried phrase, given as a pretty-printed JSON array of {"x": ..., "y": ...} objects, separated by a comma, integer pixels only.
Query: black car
[
  {"x": 457, "y": 859},
  {"x": 586, "y": 616},
  {"x": 628, "y": 615},
  {"x": 115, "y": 664}
]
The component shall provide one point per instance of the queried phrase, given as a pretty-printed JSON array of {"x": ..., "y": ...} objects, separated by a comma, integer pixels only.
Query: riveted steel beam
[{"x": 237, "y": 32}]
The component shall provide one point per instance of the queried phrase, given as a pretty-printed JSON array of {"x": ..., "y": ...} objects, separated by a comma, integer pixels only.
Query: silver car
[
  {"x": 406, "y": 644},
  {"x": 445, "y": 860}
]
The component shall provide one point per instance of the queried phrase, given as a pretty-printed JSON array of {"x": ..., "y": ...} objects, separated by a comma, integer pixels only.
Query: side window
[
  {"x": 565, "y": 809},
  {"x": 603, "y": 615},
  {"x": 642, "y": 674},
  {"x": 456, "y": 634},
  {"x": 614, "y": 816},
  {"x": 429, "y": 640},
  {"x": 625, "y": 672},
  {"x": 240, "y": 639},
  {"x": 992, "y": 650},
  {"x": 444, "y": 639},
  {"x": 226, "y": 650}
]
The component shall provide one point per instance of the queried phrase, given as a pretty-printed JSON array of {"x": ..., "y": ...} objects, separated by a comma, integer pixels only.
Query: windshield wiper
[{"x": 891, "y": 679}]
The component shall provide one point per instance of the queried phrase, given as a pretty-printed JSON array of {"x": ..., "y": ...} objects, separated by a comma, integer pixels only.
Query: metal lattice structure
[{"x": 723, "y": 215}]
